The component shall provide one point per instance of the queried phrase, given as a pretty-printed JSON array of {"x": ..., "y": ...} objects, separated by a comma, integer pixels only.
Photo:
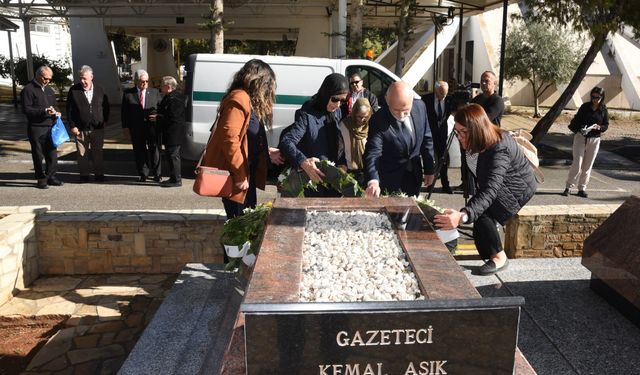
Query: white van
[{"x": 298, "y": 78}]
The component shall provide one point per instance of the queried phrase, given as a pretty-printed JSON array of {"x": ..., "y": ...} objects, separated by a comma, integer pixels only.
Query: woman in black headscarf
[{"x": 314, "y": 133}]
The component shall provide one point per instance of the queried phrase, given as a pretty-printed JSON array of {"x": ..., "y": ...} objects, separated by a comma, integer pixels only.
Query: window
[
  {"x": 373, "y": 79},
  {"x": 39, "y": 28}
]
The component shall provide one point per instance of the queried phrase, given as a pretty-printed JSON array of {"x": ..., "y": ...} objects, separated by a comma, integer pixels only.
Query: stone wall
[
  {"x": 124, "y": 242},
  {"x": 553, "y": 231},
  {"x": 18, "y": 249}
]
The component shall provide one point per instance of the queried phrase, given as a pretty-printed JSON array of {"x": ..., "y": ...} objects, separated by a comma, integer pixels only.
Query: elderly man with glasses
[
  {"x": 138, "y": 104},
  {"x": 357, "y": 91},
  {"x": 39, "y": 105}
]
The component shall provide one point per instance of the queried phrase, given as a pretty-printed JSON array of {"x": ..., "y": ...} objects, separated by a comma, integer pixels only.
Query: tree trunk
[
  {"x": 355, "y": 37},
  {"x": 402, "y": 36},
  {"x": 542, "y": 127},
  {"x": 217, "y": 32}
]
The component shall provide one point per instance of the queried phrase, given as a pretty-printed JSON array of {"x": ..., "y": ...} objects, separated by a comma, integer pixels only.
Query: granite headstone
[{"x": 612, "y": 254}]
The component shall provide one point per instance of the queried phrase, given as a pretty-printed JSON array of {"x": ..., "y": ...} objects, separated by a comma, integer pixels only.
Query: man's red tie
[{"x": 142, "y": 99}]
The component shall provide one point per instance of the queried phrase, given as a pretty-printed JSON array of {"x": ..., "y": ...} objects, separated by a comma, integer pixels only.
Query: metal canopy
[
  {"x": 377, "y": 12},
  {"x": 6, "y": 25}
]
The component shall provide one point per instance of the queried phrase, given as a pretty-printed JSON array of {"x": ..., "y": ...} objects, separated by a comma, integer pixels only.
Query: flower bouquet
[
  {"x": 448, "y": 237},
  {"x": 242, "y": 235}
]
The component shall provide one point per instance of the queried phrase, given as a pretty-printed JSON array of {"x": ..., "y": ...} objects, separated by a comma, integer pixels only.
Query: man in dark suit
[
  {"x": 399, "y": 152},
  {"x": 38, "y": 104},
  {"x": 438, "y": 111},
  {"x": 137, "y": 104},
  {"x": 88, "y": 112}
]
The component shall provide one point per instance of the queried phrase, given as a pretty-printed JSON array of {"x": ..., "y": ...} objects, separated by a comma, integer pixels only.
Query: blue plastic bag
[{"x": 59, "y": 133}]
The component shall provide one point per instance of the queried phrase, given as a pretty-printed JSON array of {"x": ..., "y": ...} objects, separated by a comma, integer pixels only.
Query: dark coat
[
  {"x": 493, "y": 105},
  {"x": 586, "y": 116},
  {"x": 505, "y": 182},
  {"x": 171, "y": 112},
  {"x": 133, "y": 116},
  {"x": 439, "y": 129},
  {"x": 85, "y": 115},
  {"x": 387, "y": 155},
  {"x": 314, "y": 133},
  {"x": 35, "y": 101}
]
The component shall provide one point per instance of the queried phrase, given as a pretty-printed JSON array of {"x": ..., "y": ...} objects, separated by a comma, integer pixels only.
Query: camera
[{"x": 462, "y": 94}]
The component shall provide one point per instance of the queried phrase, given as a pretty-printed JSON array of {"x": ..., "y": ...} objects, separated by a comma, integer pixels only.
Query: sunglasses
[
  {"x": 355, "y": 82},
  {"x": 336, "y": 100},
  {"x": 596, "y": 97},
  {"x": 147, "y": 81}
]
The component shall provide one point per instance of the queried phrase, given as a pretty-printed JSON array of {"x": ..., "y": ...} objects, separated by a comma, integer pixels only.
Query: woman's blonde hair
[
  {"x": 259, "y": 81},
  {"x": 481, "y": 133}
]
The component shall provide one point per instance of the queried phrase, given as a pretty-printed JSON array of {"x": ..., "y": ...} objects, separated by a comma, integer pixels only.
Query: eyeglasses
[
  {"x": 141, "y": 81},
  {"x": 355, "y": 82},
  {"x": 460, "y": 132},
  {"x": 594, "y": 97},
  {"x": 45, "y": 78},
  {"x": 335, "y": 99}
]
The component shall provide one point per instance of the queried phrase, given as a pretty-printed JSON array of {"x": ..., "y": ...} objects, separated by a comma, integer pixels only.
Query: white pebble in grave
[{"x": 350, "y": 256}]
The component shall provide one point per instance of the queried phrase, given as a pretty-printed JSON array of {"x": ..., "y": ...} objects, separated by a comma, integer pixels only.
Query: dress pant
[
  {"x": 172, "y": 155},
  {"x": 90, "y": 144},
  {"x": 42, "y": 148},
  {"x": 486, "y": 236},
  {"x": 146, "y": 149},
  {"x": 585, "y": 151},
  {"x": 443, "y": 162},
  {"x": 233, "y": 209}
]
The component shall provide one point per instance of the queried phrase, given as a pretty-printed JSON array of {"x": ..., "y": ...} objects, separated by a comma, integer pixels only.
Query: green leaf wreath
[{"x": 292, "y": 182}]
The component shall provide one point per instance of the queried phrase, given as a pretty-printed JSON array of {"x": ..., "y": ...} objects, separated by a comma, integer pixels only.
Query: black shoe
[
  {"x": 583, "y": 194},
  {"x": 100, "y": 178},
  {"x": 142, "y": 178},
  {"x": 156, "y": 178},
  {"x": 447, "y": 190},
  {"x": 84, "y": 179},
  {"x": 565, "y": 193},
  {"x": 169, "y": 183},
  {"x": 55, "y": 182},
  {"x": 489, "y": 268},
  {"x": 42, "y": 185}
]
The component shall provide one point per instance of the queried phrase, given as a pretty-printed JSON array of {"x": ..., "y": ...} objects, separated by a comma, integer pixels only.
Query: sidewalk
[{"x": 103, "y": 317}]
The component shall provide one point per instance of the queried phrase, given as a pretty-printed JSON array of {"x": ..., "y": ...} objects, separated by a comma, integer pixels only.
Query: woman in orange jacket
[{"x": 239, "y": 141}]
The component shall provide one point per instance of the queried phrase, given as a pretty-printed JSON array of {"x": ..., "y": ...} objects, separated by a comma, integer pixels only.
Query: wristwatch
[{"x": 464, "y": 216}]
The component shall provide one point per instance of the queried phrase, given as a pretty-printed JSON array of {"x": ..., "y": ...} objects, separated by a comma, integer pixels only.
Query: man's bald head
[{"x": 399, "y": 99}]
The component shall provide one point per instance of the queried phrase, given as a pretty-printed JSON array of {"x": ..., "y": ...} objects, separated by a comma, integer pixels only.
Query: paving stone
[
  {"x": 56, "y": 284},
  {"x": 18, "y": 307},
  {"x": 57, "y": 345},
  {"x": 108, "y": 312},
  {"x": 85, "y": 342},
  {"x": 57, "y": 364},
  {"x": 123, "y": 280},
  {"x": 60, "y": 308},
  {"x": 89, "y": 368},
  {"x": 107, "y": 327},
  {"x": 67, "y": 371},
  {"x": 107, "y": 338},
  {"x": 134, "y": 319},
  {"x": 128, "y": 334},
  {"x": 140, "y": 303},
  {"x": 115, "y": 290},
  {"x": 86, "y": 355},
  {"x": 153, "y": 279}
]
